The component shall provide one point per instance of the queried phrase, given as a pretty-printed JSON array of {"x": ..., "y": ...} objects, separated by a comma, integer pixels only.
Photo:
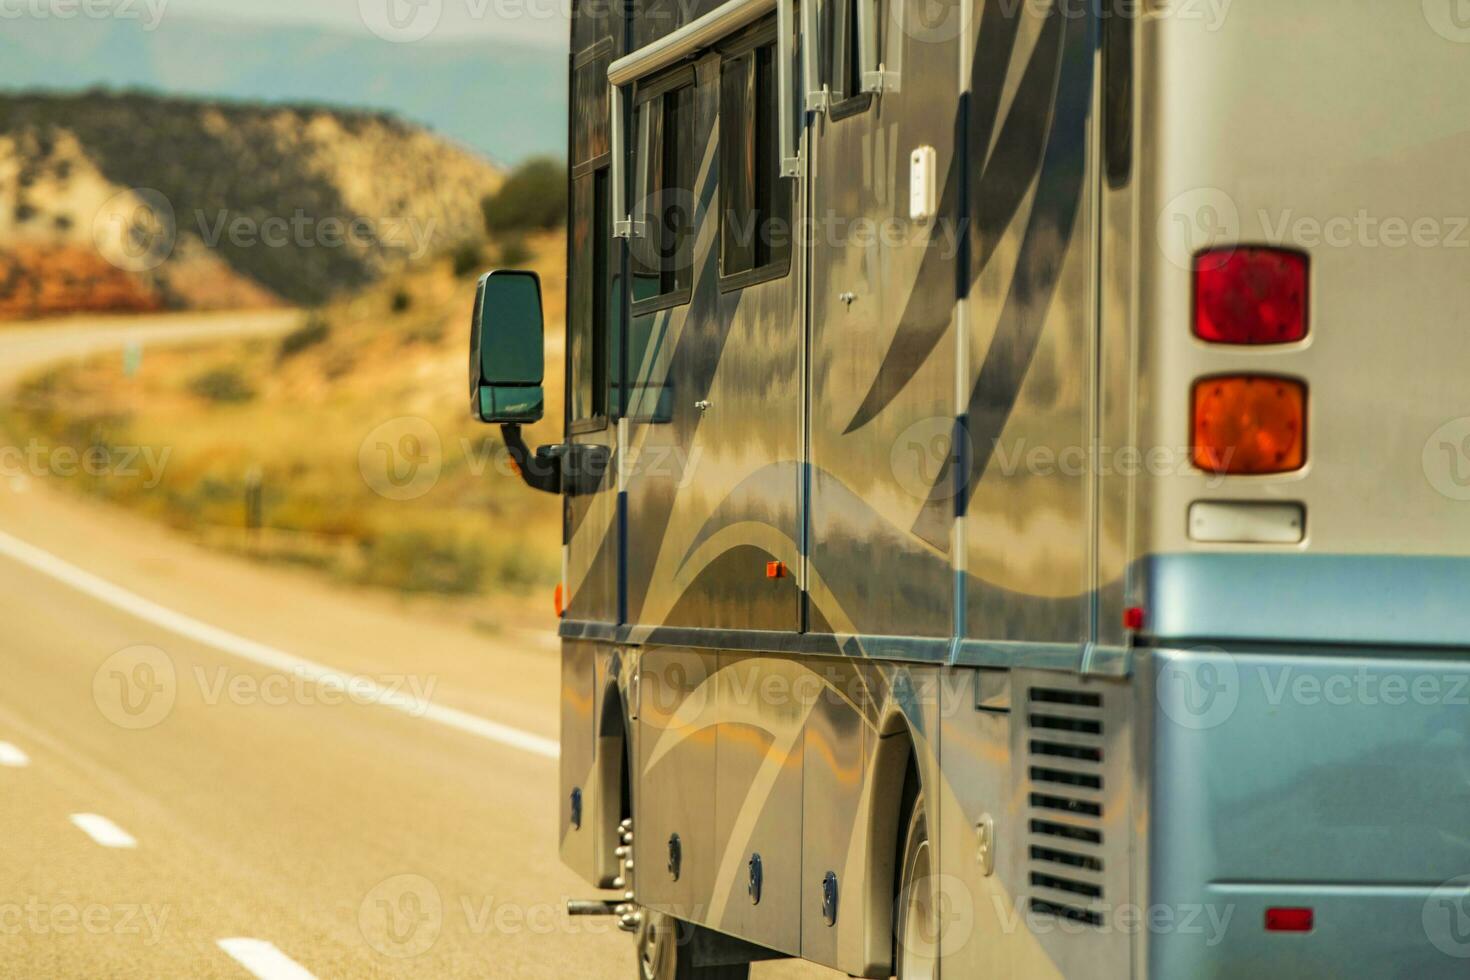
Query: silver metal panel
[
  {"x": 578, "y": 688},
  {"x": 883, "y": 298},
  {"x": 763, "y": 703},
  {"x": 834, "y": 766},
  {"x": 677, "y": 737}
]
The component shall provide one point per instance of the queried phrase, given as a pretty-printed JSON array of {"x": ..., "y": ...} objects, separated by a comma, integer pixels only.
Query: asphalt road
[{"x": 211, "y": 768}]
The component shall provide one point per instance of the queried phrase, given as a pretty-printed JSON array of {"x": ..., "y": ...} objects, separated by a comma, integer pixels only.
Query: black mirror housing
[{"x": 507, "y": 356}]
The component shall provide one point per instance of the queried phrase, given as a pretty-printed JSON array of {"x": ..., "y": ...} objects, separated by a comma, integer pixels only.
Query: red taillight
[
  {"x": 1250, "y": 296},
  {"x": 1250, "y": 425},
  {"x": 1289, "y": 920}
]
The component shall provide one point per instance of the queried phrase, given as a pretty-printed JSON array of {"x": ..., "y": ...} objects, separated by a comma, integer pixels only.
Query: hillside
[
  {"x": 355, "y": 427},
  {"x": 136, "y": 202},
  {"x": 503, "y": 96}
]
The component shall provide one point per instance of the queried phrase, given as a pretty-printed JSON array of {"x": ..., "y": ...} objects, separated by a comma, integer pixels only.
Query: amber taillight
[{"x": 1250, "y": 425}]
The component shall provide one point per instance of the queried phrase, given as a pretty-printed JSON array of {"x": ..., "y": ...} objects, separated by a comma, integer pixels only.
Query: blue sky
[{"x": 533, "y": 21}]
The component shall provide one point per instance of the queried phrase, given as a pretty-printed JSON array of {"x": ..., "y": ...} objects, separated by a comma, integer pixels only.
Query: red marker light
[
  {"x": 1250, "y": 296},
  {"x": 775, "y": 569},
  {"x": 1289, "y": 920},
  {"x": 557, "y": 599},
  {"x": 1133, "y": 618}
]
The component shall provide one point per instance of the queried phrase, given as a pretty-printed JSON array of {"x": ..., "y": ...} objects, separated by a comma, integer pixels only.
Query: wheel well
[
  {"x": 895, "y": 789},
  {"x": 615, "y": 781}
]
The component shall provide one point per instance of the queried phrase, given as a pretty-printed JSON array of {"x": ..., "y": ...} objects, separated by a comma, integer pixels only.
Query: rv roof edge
[{"x": 700, "y": 33}]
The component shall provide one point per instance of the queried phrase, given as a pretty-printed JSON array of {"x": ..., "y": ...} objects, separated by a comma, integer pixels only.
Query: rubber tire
[
  {"x": 660, "y": 959},
  {"x": 913, "y": 957}
]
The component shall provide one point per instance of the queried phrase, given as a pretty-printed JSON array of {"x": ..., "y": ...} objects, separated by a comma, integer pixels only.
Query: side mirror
[{"x": 507, "y": 360}]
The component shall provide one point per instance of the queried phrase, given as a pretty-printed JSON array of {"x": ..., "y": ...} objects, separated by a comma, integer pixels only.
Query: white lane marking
[
  {"x": 263, "y": 960},
  {"x": 12, "y": 757},
  {"x": 103, "y": 831},
  {"x": 267, "y": 656}
]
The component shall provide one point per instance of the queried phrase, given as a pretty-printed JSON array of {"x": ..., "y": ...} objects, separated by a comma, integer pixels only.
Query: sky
[{"x": 541, "y": 22}]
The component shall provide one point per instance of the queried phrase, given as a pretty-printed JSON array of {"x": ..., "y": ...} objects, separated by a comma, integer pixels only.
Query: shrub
[
  {"x": 466, "y": 259},
  {"x": 533, "y": 198},
  {"x": 421, "y": 561},
  {"x": 225, "y": 385},
  {"x": 311, "y": 333},
  {"x": 514, "y": 253}
]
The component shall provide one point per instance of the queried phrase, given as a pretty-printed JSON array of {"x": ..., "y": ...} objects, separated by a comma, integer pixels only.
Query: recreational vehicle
[{"x": 1016, "y": 484}]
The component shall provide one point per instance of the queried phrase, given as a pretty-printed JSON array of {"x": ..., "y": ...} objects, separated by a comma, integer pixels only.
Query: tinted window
[
  {"x": 755, "y": 200},
  {"x": 663, "y": 263}
]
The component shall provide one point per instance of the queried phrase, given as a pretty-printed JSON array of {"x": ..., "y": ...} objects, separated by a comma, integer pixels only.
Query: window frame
[
  {"x": 844, "y": 41},
  {"x": 604, "y": 365},
  {"x": 647, "y": 90},
  {"x": 763, "y": 34}
]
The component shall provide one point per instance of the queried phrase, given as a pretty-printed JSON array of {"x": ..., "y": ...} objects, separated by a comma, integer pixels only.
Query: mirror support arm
[{"x": 539, "y": 473}]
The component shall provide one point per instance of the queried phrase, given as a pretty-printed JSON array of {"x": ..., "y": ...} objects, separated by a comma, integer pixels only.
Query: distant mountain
[
  {"x": 506, "y": 99},
  {"x": 135, "y": 202}
]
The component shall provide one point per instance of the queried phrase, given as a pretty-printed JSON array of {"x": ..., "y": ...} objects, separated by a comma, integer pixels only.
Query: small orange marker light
[
  {"x": 560, "y": 608},
  {"x": 1250, "y": 425},
  {"x": 775, "y": 569}
]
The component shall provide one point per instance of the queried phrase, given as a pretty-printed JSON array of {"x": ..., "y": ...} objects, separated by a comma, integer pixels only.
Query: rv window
[
  {"x": 755, "y": 201},
  {"x": 847, "y": 83},
  {"x": 663, "y": 257}
]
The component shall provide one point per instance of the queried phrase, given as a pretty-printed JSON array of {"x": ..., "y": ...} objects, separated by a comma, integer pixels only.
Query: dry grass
[{"x": 357, "y": 427}]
